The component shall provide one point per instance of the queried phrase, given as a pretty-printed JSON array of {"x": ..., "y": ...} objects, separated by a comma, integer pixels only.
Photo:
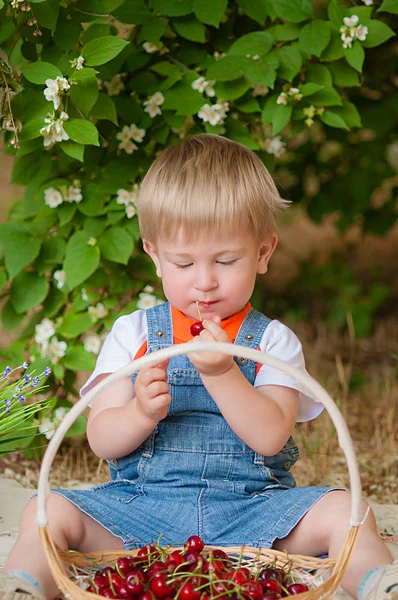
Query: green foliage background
[{"x": 237, "y": 44}]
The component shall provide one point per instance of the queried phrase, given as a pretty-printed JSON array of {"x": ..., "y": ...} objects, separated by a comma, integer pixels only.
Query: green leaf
[
  {"x": 81, "y": 259},
  {"x": 73, "y": 149},
  {"x": 104, "y": 108},
  {"x": 255, "y": 10},
  {"x": 152, "y": 30},
  {"x": 190, "y": 29},
  {"x": 319, "y": 74},
  {"x": 378, "y": 33},
  {"x": 343, "y": 74},
  {"x": 28, "y": 290},
  {"x": 210, "y": 11},
  {"x": 314, "y": 37},
  {"x": 285, "y": 33},
  {"x": 3, "y": 279},
  {"x": 173, "y": 8},
  {"x": 78, "y": 359},
  {"x": 183, "y": 98},
  {"x": 294, "y": 11},
  {"x": 31, "y": 130},
  {"x": 255, "y": 43},
  {"x": 84, "y": 90},
  {"x": 73, "y": 325},
  {"x": 46, "y": 14},
  {"x": 334, "y": 50},
  {"x": 262, "y": 71},
  {"x": 67, "y": 33},
  {"x": 355, "y": 56},
  {"x": 19, "y": 247},
  {"x": 66, "y": 212},
  {"x": 9, "y": 318},
  {"x": 227, "y": 68},
  {"x": 250, "y": 105},
  {"x": 269, "y": 109},
  {"x": 290, "y": 61},
  {"x": 133, "y": 11},
  {"x": 310, "y": 88},
  {"x": 81, "y": 131},
  {"x": 230, "y": 90},
  {"x": 390, "y": 6},
  {"x": 38, "y": 72},
  {"x": 336, "y": 13},
  {"x": 333, "y": 120},
  {"x": 32, "y": 168},
  {"x": 349, "y": 113},
  {"x": 116, "y": 245},
  {"x": 78, "y": 428},
  {"x": 281, "y": 117},
  {"x": 326, "y": 97},
  {"x": 101, "y": 50},
  {"x": 52, "y": 250}
]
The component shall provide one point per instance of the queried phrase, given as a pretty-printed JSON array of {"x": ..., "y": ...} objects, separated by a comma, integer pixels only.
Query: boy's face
[{"x": 217, "y": 270}]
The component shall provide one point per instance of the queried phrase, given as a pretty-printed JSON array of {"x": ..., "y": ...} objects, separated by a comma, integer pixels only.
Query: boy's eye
[
  {"x": 183, "y": 266},
  {"x": 226, "y": 262}
]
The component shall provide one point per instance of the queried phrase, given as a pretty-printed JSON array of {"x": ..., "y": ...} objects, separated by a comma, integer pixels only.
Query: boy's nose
[{"x": 205, "y": 280}]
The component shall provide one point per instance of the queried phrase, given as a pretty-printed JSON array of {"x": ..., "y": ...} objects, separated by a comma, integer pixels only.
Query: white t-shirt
[{"x": 129, "y": 333}]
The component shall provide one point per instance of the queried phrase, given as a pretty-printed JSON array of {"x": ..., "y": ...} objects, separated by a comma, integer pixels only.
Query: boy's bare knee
[{"x": 64, "y": 519}]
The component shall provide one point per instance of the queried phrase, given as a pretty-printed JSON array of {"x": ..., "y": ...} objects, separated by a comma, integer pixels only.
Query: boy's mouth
[{"x": 206, "y": 304}]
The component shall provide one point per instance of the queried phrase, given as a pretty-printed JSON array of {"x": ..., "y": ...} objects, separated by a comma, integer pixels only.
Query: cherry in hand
[{"x": 197, "y": 327}]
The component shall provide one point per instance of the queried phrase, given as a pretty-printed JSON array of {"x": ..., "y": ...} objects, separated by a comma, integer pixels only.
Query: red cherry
[
  {"x": 271, "y": 585},
  {"x": 107, "y": 593},
  {"x": 189, "y": 592},
  {"x": 297, "y": 588},
  {"x": 135, "y": 581},
  {"x": 146, "y": 596},
  {"x": 176, "y": 557},
  {"x": 148, "y": 552},
  {"x": 252, "y": 589},
  {"x": 155, "y": 568},
  {"x": 195, "y": 329},
  {"x": 272, "y": 596},
  {"x": 240, "y": 576},
  {"x": 160, "y": 587},
  {"x": 123, "y": 565},
  {"x": 195, "y": 542},
  {"x": 271, "y": 573}
]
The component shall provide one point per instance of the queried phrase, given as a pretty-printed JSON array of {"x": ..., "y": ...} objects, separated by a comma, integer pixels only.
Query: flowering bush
[{"x": 92, "y": 90}]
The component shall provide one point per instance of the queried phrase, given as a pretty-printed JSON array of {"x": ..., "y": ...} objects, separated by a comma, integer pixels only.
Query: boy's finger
[{"x": 215, "y": 330}]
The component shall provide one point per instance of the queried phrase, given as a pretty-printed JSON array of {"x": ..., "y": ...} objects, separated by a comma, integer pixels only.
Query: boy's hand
[
  {"x": 152, "y": 391},
  {"x": 211, "y": 363}
]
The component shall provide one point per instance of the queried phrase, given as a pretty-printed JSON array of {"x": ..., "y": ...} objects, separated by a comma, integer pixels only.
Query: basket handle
[{"x": 344, "y": 439}]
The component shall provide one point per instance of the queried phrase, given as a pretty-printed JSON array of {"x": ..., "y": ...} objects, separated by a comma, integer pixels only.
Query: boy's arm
[
  {"x": 263, "y": 417},
  {"x": 120, "y": 421}
]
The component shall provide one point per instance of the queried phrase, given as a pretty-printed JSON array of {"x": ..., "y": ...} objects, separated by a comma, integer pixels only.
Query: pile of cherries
[{"x": 192, "y": 573}]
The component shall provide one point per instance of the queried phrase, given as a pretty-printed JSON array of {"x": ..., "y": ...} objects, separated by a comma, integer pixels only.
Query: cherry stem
[{"x": 197, "y": 307}]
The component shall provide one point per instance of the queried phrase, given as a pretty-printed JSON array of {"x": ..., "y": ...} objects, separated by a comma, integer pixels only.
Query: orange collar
[{"x": 181, "y": 324}]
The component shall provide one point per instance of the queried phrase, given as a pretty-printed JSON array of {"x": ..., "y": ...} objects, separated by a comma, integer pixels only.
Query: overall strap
[
  {"x": 160, "y": 327},
  {"x": 250, "y": 334}
]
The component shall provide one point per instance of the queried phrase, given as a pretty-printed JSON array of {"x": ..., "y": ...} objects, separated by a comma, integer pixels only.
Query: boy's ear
[
  {"x": 266, "y": 250},
  {"x": 151, "y": 251}
]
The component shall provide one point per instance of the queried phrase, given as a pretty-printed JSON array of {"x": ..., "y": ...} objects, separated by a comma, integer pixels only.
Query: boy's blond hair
[{"x": 207, "y": 183}]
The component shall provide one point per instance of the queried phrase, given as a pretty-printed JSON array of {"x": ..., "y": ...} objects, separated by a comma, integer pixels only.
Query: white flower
[
  {"x": 213, "y": 113},
  {"x": 130, "y": 211},
  {"x": 351, "y": 21},
  {"x": 368, "y": 2},
  {"x": 56, "y": 350},
  {"x": 217, "y": 55},
  {"x": 152, "y": 105},
  {"x": 282, "y": 98},
  {"x": 115, "y": 85},
  {"x": 392, "y": 155},
  {"x": 136, "y": 134},
  {"x": 123, "y": 197},
  {"x": 199, "y": 84},
  {"x": 209, "y": 89},
  {"x": 52, "y": 197},
  {"x": 79, "y": 63},
  {"x": 148, "y": 289},
  {"x": 47, "y": 428},
  {"x": 59, "y": 415},
  {"x": 51, "y": 92},
  {"x": 259, "y": 89},
  {"x": 128, "y": 147},
  {"x": 74, "y": 195},
  {"x": 347, "y": 41},
  {"x": 84, "y": 295},
  {"x": 44, "y": 330},
  {"x": 151, "y": 48},
  {"x": 54, "y": 131},
  {"x": 60, "y": 278},
  {"x": 146, "y": 301},
  {"x": 92, "y": 343},
  {"x": 124, "y": 135},
  {"x": 102, "y": 311},
  {"x": 62, "y": 83},
  {"x": 275, "y": 146},
  {"x": 361, "y": 32},
  {"x": 134, "y": 193}
]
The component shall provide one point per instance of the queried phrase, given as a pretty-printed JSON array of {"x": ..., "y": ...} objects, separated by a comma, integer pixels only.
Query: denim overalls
[{"x": 193, "y": 475}]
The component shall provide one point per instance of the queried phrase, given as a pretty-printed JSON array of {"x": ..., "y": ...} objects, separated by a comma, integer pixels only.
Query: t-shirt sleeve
[
  {"x": 120, "y": 347},
  {"x": 280, "y": 341}
]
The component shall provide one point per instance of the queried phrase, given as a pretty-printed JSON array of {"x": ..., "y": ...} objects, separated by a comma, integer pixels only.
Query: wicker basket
[{"x": 323, "y": 576}]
